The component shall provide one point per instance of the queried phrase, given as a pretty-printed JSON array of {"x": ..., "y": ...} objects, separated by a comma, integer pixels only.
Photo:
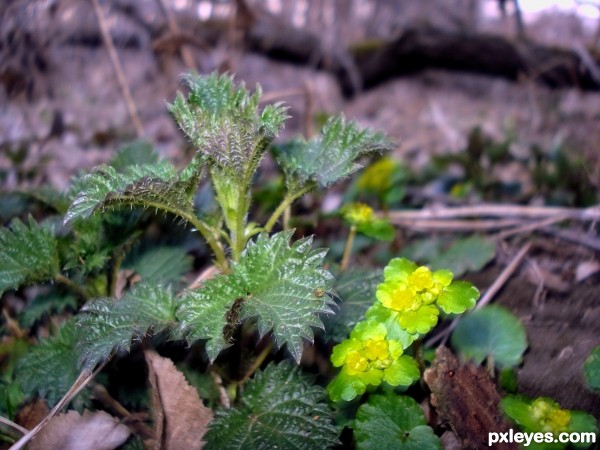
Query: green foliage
[
  {"x": 544, "y": 415},
  {"x": 364, "y": 219},
  {"x": 283, "y": 285},
  {"x": 109, "y": 323},
  {"x": 469, "y": 254},
  {"x": 280, "y": 408},
  {"x": 466, "y": 255},
  {"x": 44, "y": 305},
  {"x": 395, "y": 423},
  {"x": 11, "y": 394},
  {"x": 163, "y": 264},
  {"x": 356, "y": 288},
  {"x": 493, "y": 332},
  {"x": 150, "y": 186},
  {"x": 591, "y": 370},
  {"x": 331, "y": 156},
  {"x": 50, "y": 368},
  {"x": 28, "y": 254},
  {"x": 137, "y": 153},
  {"x": 224, "y": 123},
  {"x": 208, "y": 313}
]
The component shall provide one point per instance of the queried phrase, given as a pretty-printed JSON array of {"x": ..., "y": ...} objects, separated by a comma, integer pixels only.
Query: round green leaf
[
  {"x": 491, "y": 331},
  {"x": 393, "y": 423},
  {"x": 591, "y": 370},
  {"x": 458, "y": 297},
  {"x": 380, "y": 229}
]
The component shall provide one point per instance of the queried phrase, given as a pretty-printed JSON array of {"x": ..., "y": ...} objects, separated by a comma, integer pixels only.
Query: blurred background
[{"x": 429, "y": 73}]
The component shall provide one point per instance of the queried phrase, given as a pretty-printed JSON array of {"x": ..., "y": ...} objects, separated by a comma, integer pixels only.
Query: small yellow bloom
[{"x": 358, "y": 213}]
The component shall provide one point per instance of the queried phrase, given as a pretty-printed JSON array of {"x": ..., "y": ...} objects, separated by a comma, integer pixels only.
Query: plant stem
[
  {"x": 80, "y": 291},
  {"x": 285, "y": 203},
  {"x": 257, "y": 362},
  {"x": 348, "y": 248}
]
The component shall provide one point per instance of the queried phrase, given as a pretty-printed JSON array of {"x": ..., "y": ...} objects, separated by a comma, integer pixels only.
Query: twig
[
  {"x": 132, "y": 422},
  {"x": 487, "y": 297},
  {"x": 570, "y": 236},
  {"x": 114, "y": 59},
  {"x": 82, "y": 380},
  {"x": 275, "y": 95},
  {"x": 348, "y": 248},
  {"x": 462, "y": 225},
  {"x": 490, "y": 210},
  {"x": 187, "y": 56},
  {"x": 223, "y": 397},
  {"x": 257, "y": 362},
  {"x": 308, "y": 110},
  {"x": 13, "y": 425},
  {"x": 529, "y": 227}
]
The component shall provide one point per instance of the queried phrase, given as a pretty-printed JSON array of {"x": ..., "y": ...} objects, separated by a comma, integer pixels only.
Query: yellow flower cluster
[{"x": 550, "y": 416}]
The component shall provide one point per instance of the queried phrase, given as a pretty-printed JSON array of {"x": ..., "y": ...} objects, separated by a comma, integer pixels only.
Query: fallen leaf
[
  {"x": 586, "y": 269},
  {"x": 180, "y": 417},
  {"x": 70, "y": 431},
  {"x": 465, "y": 397},
  {"x": 32, "y": 413}
]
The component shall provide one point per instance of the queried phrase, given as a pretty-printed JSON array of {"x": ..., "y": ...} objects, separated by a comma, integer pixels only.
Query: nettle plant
[{"x": 266, "y": 282}]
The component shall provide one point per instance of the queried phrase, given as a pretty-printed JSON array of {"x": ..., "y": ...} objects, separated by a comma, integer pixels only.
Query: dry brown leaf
[
  {"x": 465, "y": 397},
  {"x": 92, "y": 431},
  {"x": 32, "y": 413},
  {"x": 181, "y": 419}
]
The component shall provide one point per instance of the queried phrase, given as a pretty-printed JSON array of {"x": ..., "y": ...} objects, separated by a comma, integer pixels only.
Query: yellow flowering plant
[
  {"x": 408, "y": 305},
  {"x": 544, "y": 415},
  {"x": 367, "y": 358}
]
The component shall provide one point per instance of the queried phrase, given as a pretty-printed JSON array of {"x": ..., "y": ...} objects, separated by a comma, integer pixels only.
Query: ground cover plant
[{"x": 108, "y": 259}]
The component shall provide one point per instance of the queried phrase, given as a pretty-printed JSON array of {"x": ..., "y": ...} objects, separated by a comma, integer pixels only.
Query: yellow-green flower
[
  {"x": 358, "y": 214},
  {"x": 368, "y": 358},
  {"x": 415, "y": 294},
  {"x": 549, "y": 415},
  {"x": 377, "y": 178},
  {"x": 545, "y": 415},
  {"x": 364, "y": 219}
]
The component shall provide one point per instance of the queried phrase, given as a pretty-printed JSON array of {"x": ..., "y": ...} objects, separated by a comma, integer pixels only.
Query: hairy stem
[
  {"x": 204, "y": 230},
  {"x": 81, "y": 292},
  {"x": 285, "y": 203},
  {"x": 348, "y": 248}
]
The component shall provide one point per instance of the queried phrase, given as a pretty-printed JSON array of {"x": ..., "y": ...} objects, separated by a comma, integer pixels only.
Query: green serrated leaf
[
  {"x": 50, "y": 368},
  {"x": 288, "y": 287},
  {"x": 110, "y": 323},
  {"x": 204, "y": 313},
  {"x": 332, "y": 155},
  {"x": 224, "y": 123},
  {"x": 466, "y": 255},
  {"x": 280, "y": 408},
  {"x": 491, "y": 331},
  {"x": 160, "y": 264},
  {"x": 137, "y": 153},
  {"x": 151, "y": 185},
  {"x": 42, "y": 305},
  {"x": 28, "y": 254},
  {"x": 356, "y": 288},
  {"x": 284, "y": 286},
  {"x": 393, "y": 422},
  {"x": 591, "y": 370}
]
